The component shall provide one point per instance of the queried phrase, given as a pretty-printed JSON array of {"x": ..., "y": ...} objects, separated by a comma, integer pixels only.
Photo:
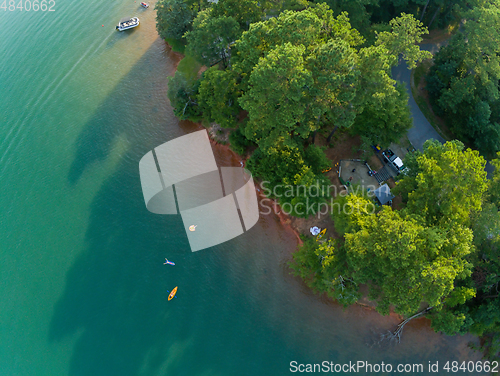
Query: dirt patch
[
  {"x": 357, "y": 174},
  {"x": 219, "y": 134},
  {"x": 375, "y": 163},
  {"x": 436, "y": 36},
  {"x": 343, "y": 146},
  {"x": 202, "y": 69},
  {"x": 302, "y": 225}
]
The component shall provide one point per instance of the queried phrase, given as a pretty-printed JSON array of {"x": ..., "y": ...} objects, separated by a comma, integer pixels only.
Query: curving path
[{"x": 422, "y": 130}]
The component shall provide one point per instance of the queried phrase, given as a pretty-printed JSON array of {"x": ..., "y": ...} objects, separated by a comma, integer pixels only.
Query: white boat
[
  {"x": 128, "y": 23},
  {"x": 145, "y": 5}
]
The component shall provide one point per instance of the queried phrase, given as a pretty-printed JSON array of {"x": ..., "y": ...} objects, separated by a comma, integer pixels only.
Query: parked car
[{"x": 392, "y": 159}]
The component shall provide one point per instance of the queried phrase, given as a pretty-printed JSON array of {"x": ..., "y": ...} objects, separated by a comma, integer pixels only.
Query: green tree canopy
[
  {"x": 382, "y": 112},
  {"x": 494, "y": 187},
  {"x": 332, "y": 65},
  {"x": 277, "y": 111},
  {"x": 311, "y": 27},
  {"x": 405, "y": 262},
  {"x": 323, "y": 266},
  {"x": 244, "y": 12},
  {"x": 173, "y": 18},
  {"x": 447, "y": 183},
  {"x": 182, "y": 94},
  {"x": 211, "y": 38},
  {"x": 405, "y": 34},
  {"x": 464, "y": 80},
  {"x": 218, "y": 97},
  {"x": 287, "y": 176},
  {"x": 385, "y": 117}
]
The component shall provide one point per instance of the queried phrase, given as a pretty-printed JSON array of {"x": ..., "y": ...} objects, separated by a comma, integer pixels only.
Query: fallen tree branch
[{"x": 396, "y": 335}]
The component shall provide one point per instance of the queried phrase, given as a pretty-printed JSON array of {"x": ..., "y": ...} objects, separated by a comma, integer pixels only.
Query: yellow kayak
[
  {"x": 321, "y": 234},
  {"x": 172, "y": 293}
]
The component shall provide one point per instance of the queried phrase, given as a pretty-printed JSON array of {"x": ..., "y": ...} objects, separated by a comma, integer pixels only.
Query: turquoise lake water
[{"x": 83, "y": 286}]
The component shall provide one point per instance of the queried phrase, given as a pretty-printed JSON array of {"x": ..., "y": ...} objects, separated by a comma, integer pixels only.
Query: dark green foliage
[
  {"x": 315, "y": 157},
  {"x": 244, "y": 12},
  {"x": 494, "y": 188},
  {"x": 211, "y": 37},
  {"x": 463, "y": 83},
  {"x": 356, "y": 9},
  {"x": 310, "y": 61},
  {"x": 239, "y": 143},
  {"x": 287, "y": 177},
  {"x": 182, "y": 95},
  {"x": 218, "y": 97},
  {"x": 323, "y": 267},
  {"x": 173, "y": 18},
  {"x": 275, "y": 114},
  {"x": 386, "y": 119},
  {"x": 197, "y": 5},
  {"x": 366, "y": 13}
]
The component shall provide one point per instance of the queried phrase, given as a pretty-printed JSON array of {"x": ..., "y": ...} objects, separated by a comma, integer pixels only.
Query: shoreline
[
  {"x": 285, "y": 220},
  {"x": 225, "y": 155}
]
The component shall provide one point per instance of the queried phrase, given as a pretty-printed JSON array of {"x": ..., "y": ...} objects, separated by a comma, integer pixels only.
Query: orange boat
[{"x": 172, "y": 293}]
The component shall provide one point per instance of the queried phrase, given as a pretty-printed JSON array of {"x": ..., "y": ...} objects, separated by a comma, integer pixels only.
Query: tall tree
[
  {"x": 494, "y": 188},
  {"x": 464, "y": 80},
  {"x": 218, "y": 97},
  {"x": 405, "y": 262},
  {"x": 275, "y": 114},
  {"x": 211, "y": 38},
  {"x": 182, "y": 94},
  {"x": 288, "y": 177},
  {"x": 173, "y": 18},
  {"x": 244, "y": 12},
  {"x": 405, "y": 34},
  {"x": 332, "y": 66},
  {"x": 323, "y": 267},
  {"x": 385, "y": 117},
  {"x": 311, "y": 27},
  {"x": 447, "y": 184},
  {"x": 382, "y": 112}
]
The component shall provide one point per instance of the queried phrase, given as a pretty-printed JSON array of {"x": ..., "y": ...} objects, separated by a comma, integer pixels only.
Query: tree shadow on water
[
  {"x": 114, "y": 302},
  {"x": 138, "y": 109},
  {"x": 115, "y": 296}
]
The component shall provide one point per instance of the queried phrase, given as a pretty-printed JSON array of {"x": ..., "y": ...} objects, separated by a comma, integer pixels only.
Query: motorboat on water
[
  {"x": 128, "y": 23},
  {"x": 145, "y": 5}
]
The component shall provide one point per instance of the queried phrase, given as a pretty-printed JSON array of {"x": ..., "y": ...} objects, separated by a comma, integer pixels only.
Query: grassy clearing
[
  {"x": 420, "y": 71},
  {"x": 189, "y": 66},
  {"x": 404, "y": 143},
  {"x": 176, "y": 44}
]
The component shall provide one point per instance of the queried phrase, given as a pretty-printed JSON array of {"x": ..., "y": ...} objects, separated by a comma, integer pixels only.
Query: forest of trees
[
  {"x": 441, "y": 251},
  {"x": 463, "y": 83},
  {"x": 281, "y": 71},
  {"x": 315, "y": 63}
]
